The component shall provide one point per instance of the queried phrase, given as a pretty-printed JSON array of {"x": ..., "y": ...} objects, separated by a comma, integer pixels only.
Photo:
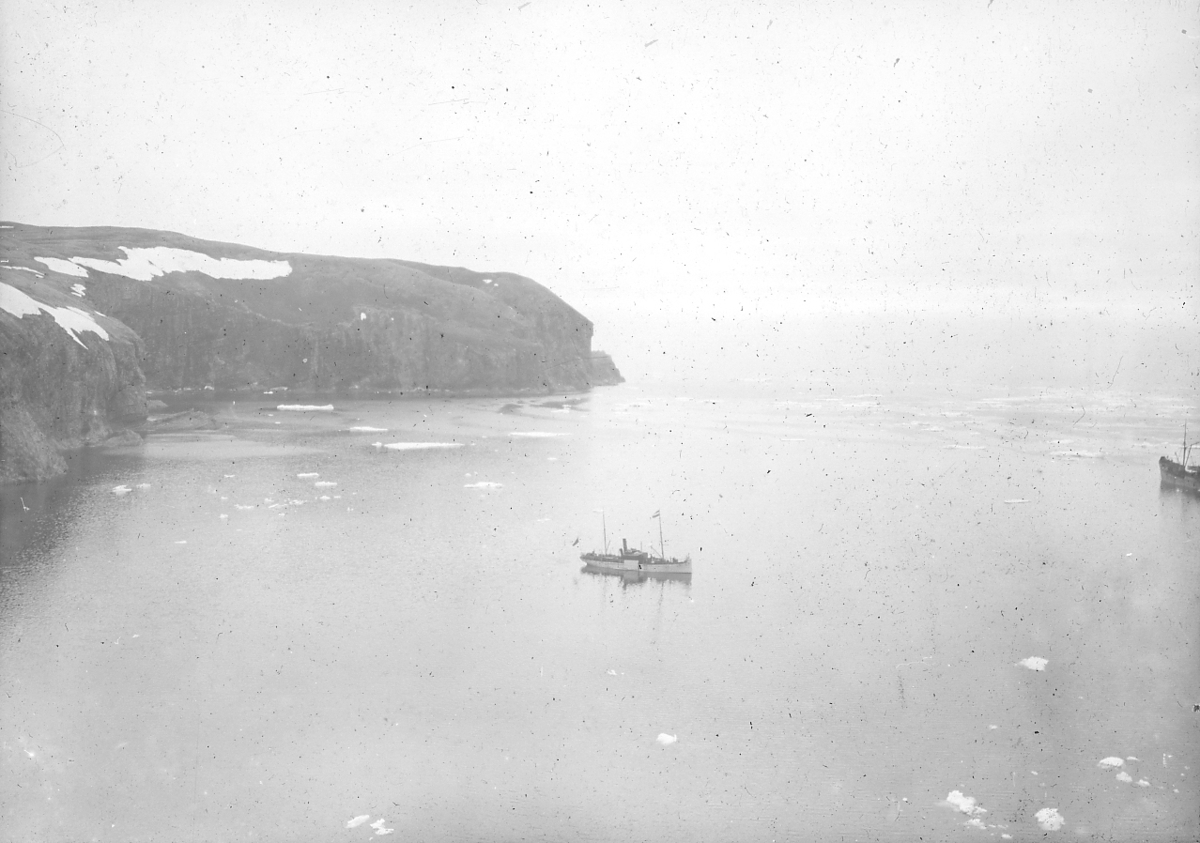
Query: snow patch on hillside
[
  {"x": 145, "y": 264},
  {"x": 71, "y": 319}
]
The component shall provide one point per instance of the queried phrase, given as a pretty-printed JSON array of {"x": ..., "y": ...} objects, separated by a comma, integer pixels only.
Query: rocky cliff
[{"x": 189, "y": 313}]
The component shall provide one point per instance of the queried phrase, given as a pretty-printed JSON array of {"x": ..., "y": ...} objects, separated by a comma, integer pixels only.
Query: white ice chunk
[
  {"x": 417, "y": 446},
  {"x": 379, "y": 829},
  {"x": 1049, "y": 819},
  {"x": 308, "y": 475},
  {"x": 666, "y": 740},
  {"x": 70, "y": 319},
  {"x": 306, "y": 408},
  {"x": 365, "y": 429},
  {"x": 63, "y": 267},
  {"x": 121, "y": 490},
  {"x": 1124, "y": 777},
  {"x": 325, "y": 484},
  {"x": 483, "y": 484},
  {"x": 966, "y": 804},
  {"x": 1034, "y": 663},
  {"x": 535, "y": 434},
  {"x": 1111, "y": 763},
  {"x": 144, "y": 264},
  {"x": 1143, "y": 783},
  {"x": 357, "y": 821}
]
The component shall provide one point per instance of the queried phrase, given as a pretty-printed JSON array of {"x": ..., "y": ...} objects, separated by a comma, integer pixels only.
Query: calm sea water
[{"x": 266, "y": 632}]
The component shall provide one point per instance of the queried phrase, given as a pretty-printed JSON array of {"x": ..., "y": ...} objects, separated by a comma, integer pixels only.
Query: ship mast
[{"x": 661, "y": 552}]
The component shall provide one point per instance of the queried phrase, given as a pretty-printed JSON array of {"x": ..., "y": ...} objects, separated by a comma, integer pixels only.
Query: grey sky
[{"x": 773, "y": 153}]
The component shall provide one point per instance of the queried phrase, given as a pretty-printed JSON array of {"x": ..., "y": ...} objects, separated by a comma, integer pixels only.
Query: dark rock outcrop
[
  {"x": 60, "y": 388},
  {"x": 182, "y": 313}
]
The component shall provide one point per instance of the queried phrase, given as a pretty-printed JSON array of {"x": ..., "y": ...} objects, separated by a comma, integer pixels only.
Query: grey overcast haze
[{"x": 642, "y": 159}]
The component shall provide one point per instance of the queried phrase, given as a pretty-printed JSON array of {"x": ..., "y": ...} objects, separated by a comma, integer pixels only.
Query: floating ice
[
  {"x": 121, "y": 490},
  {"x": 308, "y": 475},
  {"x": 366, "y": 429},
  {"x": 181, "y": 541},
  {"x": 357, "y": 821},
  {"x": 379, "y": 829},
  {"x": 1034, "y": 663},
  {"x": 325, "y": 498},
  {"x": 71, "y": 319},
  {"x": 1143, "y": 783},
  {"x": 325, "y": 484},
  {"x": 1111, "y": 763},
  {"x": 1017, "y": 500},
  {"x": 1124, "y": 777},
  {"x": 243, "y": 507},
  {"x": 535, "y": 434},
  {"x": 142, "y": 264},
  {"x": 666, "y": 740},
  {"x": 306, "y": 408},
  {"x": 417, "y": 446},
  {"x": 483, "y": 484},
  {"x": 1049, "y": 819},
  {"x": 143, "y": 485},
  {"x": 63, "y": 267},
  {"x": 966, "y": 804}
]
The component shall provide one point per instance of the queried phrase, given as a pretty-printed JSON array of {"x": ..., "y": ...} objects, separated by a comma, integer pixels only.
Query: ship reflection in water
[{"x": 635, "y": 577}]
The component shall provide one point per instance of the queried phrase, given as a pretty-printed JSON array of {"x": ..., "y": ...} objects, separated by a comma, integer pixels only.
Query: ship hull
[
  {"x": 1177, "y": 476},
  {"x": 623, "y": 564}
]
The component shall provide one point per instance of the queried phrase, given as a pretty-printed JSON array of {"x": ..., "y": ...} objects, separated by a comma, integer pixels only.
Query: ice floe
[
  {"x": 1111, "y": 763},
  {"x": 535, "y": 434},
  {"x": 1034, "y": 663},
  {"x": 483, "y": 484},
  {"x": 968, "y": 805},
  {"x": 1124, "y": 777},
  {"x": 63, "y": 267},
  {"x": 379, "y": 829},
  {"x": 1143, "y": 783},
  {"x": 666, "y": 740},
  {"x": 357, "y": 821},
  {"x": 308, "y": 475},
  {"x": 71, "y": 319},
  {"x": 325, "y": 484},
  {"x": 306, "y": 408},
  {"x": 121, "y": 490},
  {"x": 366, "y": 429},
  {"x": 1049, "y": 819},
  {"x": 1017, "y": 500},
  {"x": 417, "y": 446},
  {"x": 143, "y": 264}
]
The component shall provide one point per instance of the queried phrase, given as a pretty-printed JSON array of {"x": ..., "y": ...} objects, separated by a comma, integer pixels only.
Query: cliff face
[
  {"x": 69, "y": 376},
  {"x": 232, "y": 317},
  {"x": 190, "y": 313}
]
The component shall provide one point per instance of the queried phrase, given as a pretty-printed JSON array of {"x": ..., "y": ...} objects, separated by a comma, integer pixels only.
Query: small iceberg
[
  {"x": 366, "y": 429},
  {"x": 483, "y": 484},
  {"x": 1050, "y": 819},
  {"x": 666, "y": 740},
  {"x": 357, "y": 821},
  {"x": 535, "y": 434},
  {"x": 1034, "y": 663},
  {"x": 325, "y": 484},
  {"x": 379, "y": 829},
  {"x": 417, "y": 446},
  {"x": 308, "y": 475},
  {"x": 121, "y": 490},
  {"x": 957, "y": 800},
  {"x": 307, "y": 408},
  {"x": 1111, "y": 763},
  {"x": 1124, "y": 777}
]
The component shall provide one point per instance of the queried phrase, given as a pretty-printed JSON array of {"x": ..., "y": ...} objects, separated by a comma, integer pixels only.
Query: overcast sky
[{"x": 772, "y": 153}]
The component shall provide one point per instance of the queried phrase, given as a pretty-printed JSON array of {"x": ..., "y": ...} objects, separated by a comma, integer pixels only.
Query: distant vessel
[
  {"x": 635, "y": 560},
  {"x": 1179, "y": 474}
]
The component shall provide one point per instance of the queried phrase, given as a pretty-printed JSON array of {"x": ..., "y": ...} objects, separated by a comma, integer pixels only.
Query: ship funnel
[{"x": 624, "y": 546}]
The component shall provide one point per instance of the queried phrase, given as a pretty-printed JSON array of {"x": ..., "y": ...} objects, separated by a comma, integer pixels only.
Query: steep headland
[{"x": 175, "y": 312}]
